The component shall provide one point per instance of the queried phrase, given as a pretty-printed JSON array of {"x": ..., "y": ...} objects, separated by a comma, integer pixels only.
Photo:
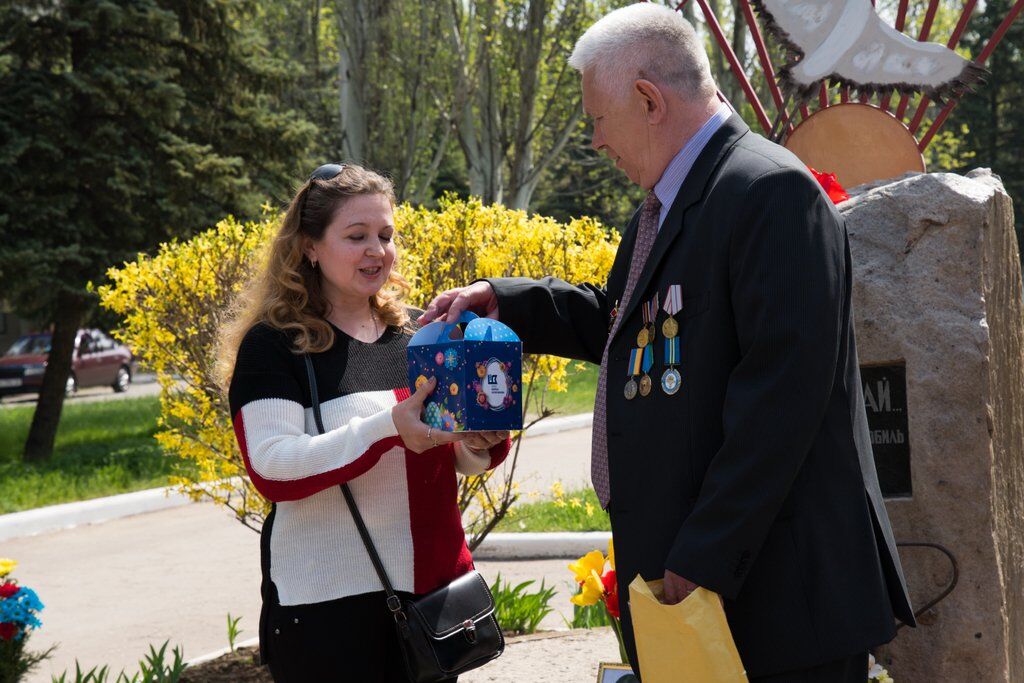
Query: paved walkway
[
  {"x": 112, "y": 589},
  {"x": 571, "y": 657}
]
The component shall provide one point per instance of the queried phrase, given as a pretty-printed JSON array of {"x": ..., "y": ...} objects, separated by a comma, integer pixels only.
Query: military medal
[
  {"x": 652, "y": 316},
  {"x": 673, "y": 304},
  {"x": 648, "y": 363},
  {"x": 630, "y": 389},
  {"x": 635, "y": 357},
  {"x": 671, "y": 379},
  {"x": 643, "y": 338}
]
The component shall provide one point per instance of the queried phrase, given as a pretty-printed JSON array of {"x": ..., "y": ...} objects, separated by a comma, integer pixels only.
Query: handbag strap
[{"x": 394, "y": 603}]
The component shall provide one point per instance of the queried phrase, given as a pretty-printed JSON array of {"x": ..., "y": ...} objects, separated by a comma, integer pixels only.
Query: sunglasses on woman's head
[{"x": 327, "y": 172}]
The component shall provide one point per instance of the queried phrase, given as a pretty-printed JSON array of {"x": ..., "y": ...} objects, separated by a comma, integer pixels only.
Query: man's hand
[
  {"x": 483, "y": 441},
  {"x": 478, "y": 297},
  {"x": 677, "y": 588}
]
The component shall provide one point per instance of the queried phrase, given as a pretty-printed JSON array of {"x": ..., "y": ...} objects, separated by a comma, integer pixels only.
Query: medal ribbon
[
  {"x": 635, "y": 358},
  {"x": 648, "y": 359},
  {"x": 645, "y": 307},
  {"x": 673, "y": 299},
  {"x": 672, "y": 351},
  {"x": 654, "y": 307}
]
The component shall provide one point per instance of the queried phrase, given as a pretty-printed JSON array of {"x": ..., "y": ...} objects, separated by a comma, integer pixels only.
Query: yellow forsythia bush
[{"x": 173, "y": 303}]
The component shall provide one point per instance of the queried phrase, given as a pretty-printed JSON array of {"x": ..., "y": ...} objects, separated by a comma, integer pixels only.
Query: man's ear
[{"x": 652, "y": 101}]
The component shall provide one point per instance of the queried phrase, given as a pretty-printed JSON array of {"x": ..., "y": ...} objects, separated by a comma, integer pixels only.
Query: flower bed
[{"x": 235, "y": 667}]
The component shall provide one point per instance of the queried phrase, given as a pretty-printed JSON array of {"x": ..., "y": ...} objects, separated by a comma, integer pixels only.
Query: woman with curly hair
[{"x": 328, "y": 289}]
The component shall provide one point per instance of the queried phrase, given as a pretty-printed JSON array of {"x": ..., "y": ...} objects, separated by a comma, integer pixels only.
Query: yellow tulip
[
  {"x": 587, "y": 565},
  {"x": 7, "y": 566},
  {"x": 591, "y": 591},
  {"x": 611, "y": 554}
]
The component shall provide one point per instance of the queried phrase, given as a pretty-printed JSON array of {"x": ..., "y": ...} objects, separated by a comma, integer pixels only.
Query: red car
[{"x": 98, "y": 360}]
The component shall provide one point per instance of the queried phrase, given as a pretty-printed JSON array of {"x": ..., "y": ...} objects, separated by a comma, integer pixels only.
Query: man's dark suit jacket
[{"x": 756, "y": 480}]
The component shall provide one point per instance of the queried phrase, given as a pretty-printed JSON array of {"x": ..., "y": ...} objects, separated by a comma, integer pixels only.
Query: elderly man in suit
[{"x": 730, "y": 443}]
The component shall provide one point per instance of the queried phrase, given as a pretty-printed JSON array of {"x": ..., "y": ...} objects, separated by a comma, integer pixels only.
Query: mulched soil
[{"x": 238, "y": 667}]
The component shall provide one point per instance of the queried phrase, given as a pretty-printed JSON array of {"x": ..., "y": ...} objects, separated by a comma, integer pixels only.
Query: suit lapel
[
  {"x": 689, "y": 194},
  {"x": 620, "y": 266}
]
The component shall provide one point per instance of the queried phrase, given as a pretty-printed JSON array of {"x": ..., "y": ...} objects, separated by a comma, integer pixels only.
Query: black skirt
[{"x": 349, "y": 639}]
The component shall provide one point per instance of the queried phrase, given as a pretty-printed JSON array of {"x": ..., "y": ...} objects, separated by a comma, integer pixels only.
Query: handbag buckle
[
  {"x": 395, "y": 605},
  {"x": 470, "y": 630}
]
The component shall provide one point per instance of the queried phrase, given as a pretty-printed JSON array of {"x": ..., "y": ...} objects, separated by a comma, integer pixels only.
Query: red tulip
[{"x": 611, "y": 593}]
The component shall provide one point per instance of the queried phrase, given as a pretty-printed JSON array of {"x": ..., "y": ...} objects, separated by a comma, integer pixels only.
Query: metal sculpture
[{"x": 844, "y": 43}]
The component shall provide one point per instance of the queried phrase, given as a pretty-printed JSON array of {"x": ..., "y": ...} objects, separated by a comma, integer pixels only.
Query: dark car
[{"x": 98, "y": 360}]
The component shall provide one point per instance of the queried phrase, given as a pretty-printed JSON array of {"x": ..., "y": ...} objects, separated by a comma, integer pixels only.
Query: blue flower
[{"x": 21, "y": 609}]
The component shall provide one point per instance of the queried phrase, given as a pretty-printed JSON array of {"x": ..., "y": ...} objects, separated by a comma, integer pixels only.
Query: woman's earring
[{"x": 313, "y": 263}]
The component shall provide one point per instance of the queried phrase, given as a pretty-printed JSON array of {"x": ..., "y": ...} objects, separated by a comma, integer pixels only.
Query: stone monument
[{"x": 940, "y": 332}]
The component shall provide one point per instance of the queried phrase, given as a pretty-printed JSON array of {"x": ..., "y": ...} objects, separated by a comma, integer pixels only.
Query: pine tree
[
  {"x": 123, "y": 123},
  {"x": 994, "y": 117}
]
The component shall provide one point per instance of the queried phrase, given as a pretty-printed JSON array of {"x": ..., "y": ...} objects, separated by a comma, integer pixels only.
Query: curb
[
  {"x": 541, "y": 546},
  {"x": 70, "y": 515},
  {"x": 560, "y": 424}
]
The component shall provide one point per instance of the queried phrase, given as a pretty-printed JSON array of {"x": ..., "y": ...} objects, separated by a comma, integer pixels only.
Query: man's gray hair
[{"x": 650, "y": 41}]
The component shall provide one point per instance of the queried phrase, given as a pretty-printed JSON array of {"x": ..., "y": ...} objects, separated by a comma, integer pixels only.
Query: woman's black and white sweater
[{"x": 407, "y": 499}]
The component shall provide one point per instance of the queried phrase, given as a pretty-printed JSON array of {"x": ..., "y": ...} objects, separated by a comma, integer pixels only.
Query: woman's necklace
[{"x": 376, "y": 329}]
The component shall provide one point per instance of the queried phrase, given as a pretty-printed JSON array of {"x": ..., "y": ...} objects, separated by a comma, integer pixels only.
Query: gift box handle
[{"x": 466, "y": 317}]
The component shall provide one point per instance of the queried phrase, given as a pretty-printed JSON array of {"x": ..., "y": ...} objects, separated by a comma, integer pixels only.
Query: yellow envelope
[{"x": 689, "y": 642}]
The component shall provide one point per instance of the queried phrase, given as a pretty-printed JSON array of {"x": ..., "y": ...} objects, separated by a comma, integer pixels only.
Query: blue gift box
[{"x": 478, "y": 363}]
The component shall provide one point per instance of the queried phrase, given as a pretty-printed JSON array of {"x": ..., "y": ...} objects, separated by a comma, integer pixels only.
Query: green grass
[
  {"x": 578, "y": 399},
  {"x": 102, "y": 449},
  {"x": 568, "y": 512}
]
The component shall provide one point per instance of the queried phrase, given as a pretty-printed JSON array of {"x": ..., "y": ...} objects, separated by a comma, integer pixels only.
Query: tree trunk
[
  {"x": 356, "y": 30},
  {"x": 688, "y": 12},
  {"x": 719, "y": 68},
  {"x": 71, "y": 310},
  {"x": 739, "y": 47}
]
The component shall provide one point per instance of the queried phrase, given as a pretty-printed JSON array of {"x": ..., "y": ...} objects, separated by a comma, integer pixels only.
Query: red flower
[
  {"x": 8, "y": 630},
  {"x": 611, "y": 593},
  {"x": 8, "y": 589},
  {"x": 831, "y": 185}
]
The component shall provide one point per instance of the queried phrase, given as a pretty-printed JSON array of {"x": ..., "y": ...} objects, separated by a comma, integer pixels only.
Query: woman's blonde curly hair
[{"x": 285, "y": 290}]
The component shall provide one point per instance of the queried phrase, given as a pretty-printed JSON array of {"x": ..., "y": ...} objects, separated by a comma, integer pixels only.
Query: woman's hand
[
  {"x": 417, "y": 436},
  {"x": 482, "y": 441}
]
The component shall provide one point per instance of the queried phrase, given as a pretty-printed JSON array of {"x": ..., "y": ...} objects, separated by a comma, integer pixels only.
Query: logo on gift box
[
  {"x": 478, "y": 364},
  {"x": 498, "y": 386}
]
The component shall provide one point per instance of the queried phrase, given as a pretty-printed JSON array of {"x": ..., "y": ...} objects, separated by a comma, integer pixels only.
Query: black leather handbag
[{"x": 444, "y": 633}]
